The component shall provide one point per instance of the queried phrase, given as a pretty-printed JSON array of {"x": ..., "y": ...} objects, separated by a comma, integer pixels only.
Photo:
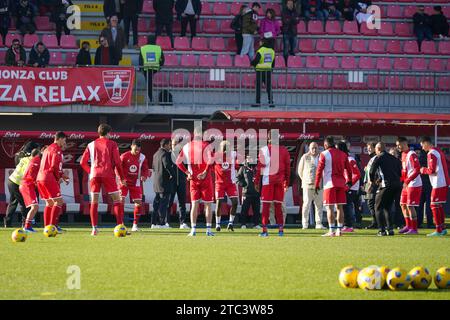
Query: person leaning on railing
[{"x": 151, "y": 59}]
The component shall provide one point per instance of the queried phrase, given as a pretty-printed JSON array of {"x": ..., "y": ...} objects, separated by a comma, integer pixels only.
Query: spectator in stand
[
  {"x": 313, "y": 7},
  {"x": 236, "y": 25},
  {"x": 347, "y": 9},
  {"x": 188, "y": 11},
  {"x": 264, "y": 63},
  {"x": 422, "y": 25},
  {"x": 16, "y": 54},
  {"x": 113, "y": 8},
  {"x": 25, "y": 13},
  {"x": 269, "y": 28},
  {"x": 290, "y": 19},
  {"x": 297, "y": 5},
  {"x": 84, "y": 55},
  {"x": 5, "y": 18},
  {"x": 59, "y": 16},
  {"x": 439, "y": 23},
  {"x": 39, "y": 56},
  {"x": 330, "y": 9},
  {"x": 361, "y": 14},
  {"x": 105, "y": 54},
  {"x": 115, "y": 36},
  {"x": 164, "y": 17},
  {"x": 249, "y": 29},
  {"x": 131, "y": 11}
]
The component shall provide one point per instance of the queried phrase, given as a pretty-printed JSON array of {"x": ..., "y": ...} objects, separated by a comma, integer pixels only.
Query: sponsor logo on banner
[
  {"x": 443, "y": 140},
  {"x": 116, "y": 83}
]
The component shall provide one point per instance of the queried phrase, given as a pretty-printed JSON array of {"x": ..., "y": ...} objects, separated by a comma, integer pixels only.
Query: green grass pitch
[{"x": 165, "y": 264}]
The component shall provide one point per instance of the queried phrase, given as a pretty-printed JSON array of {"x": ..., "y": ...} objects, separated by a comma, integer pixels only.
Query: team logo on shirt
[
  {"x": 117, "y": 84},
  {"x": 133, "y": 168},
  {"x": 225, "y": 165}
]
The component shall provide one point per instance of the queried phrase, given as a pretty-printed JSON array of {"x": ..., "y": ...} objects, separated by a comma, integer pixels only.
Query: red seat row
[{"x": 50, "y": 40}]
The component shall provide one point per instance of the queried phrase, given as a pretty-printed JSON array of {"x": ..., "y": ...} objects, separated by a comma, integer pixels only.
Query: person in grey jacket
[
  {"x": 251, "y": 197},
  {"x": 163, "y": 175}
]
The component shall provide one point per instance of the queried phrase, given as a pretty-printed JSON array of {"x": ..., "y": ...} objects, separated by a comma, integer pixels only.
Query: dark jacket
[
  {"x": 112, "y": 57},
  {"x": 84, "y": 58},
  {"x": 42, "y": 59},
  {"x": 119, "y": 44},
  {"x": 236, "y": 23},
  {"x": 109, "y": 8},
  {"x": 5, "y": 13},
  {"x": 245, "y": 179},
  {"x": 421, "y": 21},
  {"x": 25, "y": 15},
  {"x": 439, "y": 24},
  {"x": 249, "y": 22},
  {"x": 132, "y": 8},
  {"x": 290, "y": 19},
  {"x": 347, "y": 8},
  {"x": 163, "y": 10},
  {"x": 59, "y": 11},
  {"x": 180, "y": 6},
  {"x": 389, "y": 170},
  {"x": 163, "y": 171},
  {"x": 10, "y": 59},
  {"x": 306, "y": 5}
]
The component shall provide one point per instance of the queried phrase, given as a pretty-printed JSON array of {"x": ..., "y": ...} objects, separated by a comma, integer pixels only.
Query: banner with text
[{"x": 42, "y": 87}]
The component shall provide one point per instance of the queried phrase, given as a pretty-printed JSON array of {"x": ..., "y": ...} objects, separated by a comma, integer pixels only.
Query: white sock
[
  {"x": 218, "y": 220},
  {"x": 340, "y": 225},
  {"x": 231, "y": 218},
  {"x": 208, "y": 227},
  {"x": 193, "y": 226}
]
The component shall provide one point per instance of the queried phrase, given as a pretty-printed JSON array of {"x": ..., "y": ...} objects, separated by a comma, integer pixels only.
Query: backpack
[
  {"x": 165, "y": 97},
  {"x": 236, "y": 23}
]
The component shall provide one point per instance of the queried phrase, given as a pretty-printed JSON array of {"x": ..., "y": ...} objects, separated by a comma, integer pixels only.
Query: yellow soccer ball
[
  {"x": 442, "y": 278},
  {"x": 19, "y": 235},
  {"x": 398, "y": 279},
  {"x": 120, "y": 231},
  {"x": 50, "y": 231},
  {"x": 348, "y": 277},
  {"x": 369, "y": 278},
  {"x": 384, "y": 272},
  {"x": 420, "y": 278}
]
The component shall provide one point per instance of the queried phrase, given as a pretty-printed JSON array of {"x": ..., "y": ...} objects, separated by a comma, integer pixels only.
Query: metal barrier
[{"x": 362, "y": 90}]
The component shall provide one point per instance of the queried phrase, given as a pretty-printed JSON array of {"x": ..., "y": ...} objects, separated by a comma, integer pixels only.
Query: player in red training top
[
  {"x": 273, "y": 172},
  {"x": 49, "y": 177},
  {"x": 195, "y": 160},
  {"x": 412, "y": 186},
  {"x": 225, "y": 172},
  {"x": 440, "y": 180},
  {"x": 105, "y": 159},
  {"x": 136, "y": 171},
  {"x": 336, "y": 172},
  {"x": 28, "y": 188}
]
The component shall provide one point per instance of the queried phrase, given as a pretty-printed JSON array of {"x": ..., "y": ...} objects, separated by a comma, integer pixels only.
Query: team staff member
[
  {"x": 151, "y": 59},
  {"x": 370, "y": 190},
  {"x": 264, "y": 62},
  {"x": 389, "y": 169},
  {"x": 250, "y": 197},
  {"x": 440, "y": 180},
  {"x": 135, "y": 168}
]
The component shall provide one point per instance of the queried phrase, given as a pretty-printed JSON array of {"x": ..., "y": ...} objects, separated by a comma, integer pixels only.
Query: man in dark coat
[
  {"x": 164, "y": 17},
  {"x": 105, "y": 54},
  {"x": 16, "y": 54},
  {"x": 115, "y": 36},
  {"x": 112, "y": 8},
  {"x": 188, "y": 11},
  {"x": 131, "y": 10},
  {"x": 39, "y": 56},
  {"x": 84, "y": 55}
]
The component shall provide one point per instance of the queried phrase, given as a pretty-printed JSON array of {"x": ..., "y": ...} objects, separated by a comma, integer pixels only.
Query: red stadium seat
[
  {"x": 148, "y": 7},
  {"x": 170, "y": 60},
  {"x": 333, "y": 27},
  {"x": 164, "y": 42},
  {"x": 142, "y": 25},
  {"x": 366, "y": 63},
  {"x": 160, "y": 80},
  {"x": 427, "y": 83},
  {"x": 410, "y": 83},
  {"x": 321, "y": 81},
  {"x": 224, "y": 61},
  {"x": 176, "y": 79},
  {"x": 384, "y": 64},
  {"x": 248, "y": 80},
  {"x": 401, "y": 64},
  {"x": 210, "y": 26},
  {"x": 43, "y": 23},
  {"x": 364, "y": 30},
  {"x": 29, "y": 40},
  {"x": 377, "y": 46},
  {"x": 386, "y": 29},
  {"x": 231, "y": 45},
  {"x": 232, "y": 80},
  {"x": 350, "y": 28},
  {"x": 217, "y": 44},
  {"x": 206, "y": 60},
  {"x": 313, "y": 62},
  {"x": 394, "y": 47},
  {"x": 2, "y": 56},
  {"x": 221, "y": 9},
  {"x": 188, "y": 60},
  {"x": 142, "y": 41},
  {"x": 197, "y": 80},
  {"x": 200, "y": 44},
  {"x": 68, "y": 42},
  {"x": 275, "y": 6},
  {"x": 348, "y": 63},
  {"x": 323, "y": 46},
  {"x": 306, "y": 46},
  {"x": 394, "y": 12},
  {"x": 284, "y": 81},
  {"x": 331, "y": 63},
  {"x": 303, "y": 81},
  {"x": 444, "y": 47},
  {"x": 182, "y": 44},
  {"x": 374, "y": 82},
  {"x": 410, "y": 47},
  {"x": 225, "y": 27},
  {"x": 235, "y": 8},
  {"x": 295, "y": 62},
  {"x": 315, "y": 27},
  {"x": 359, "y": 46},
  {"x": 206, "y": 9},
  {"x": 409, "y": 11},
  {"x": 340, "y": 82},
  {"x": 301, "y": 27},
  {"x": 428, "y": 47},
  {"x": 280, "y": 62},
  {"x": 10, "y": 37},
  {"x": 71, "y": 58},
  {"x": 341, "y": 46},
  {"x": 419, "y": 64},
  {"x": 444, "y": 84},
  {"x": 392, "y": 83},
  {"x": 50, "y": 41},
  {"x": 241, "y": 62},
  {"x": 436, "y": 65},
  {"x": 403, "y": 29},
  {"x": 56, "y": 58}
]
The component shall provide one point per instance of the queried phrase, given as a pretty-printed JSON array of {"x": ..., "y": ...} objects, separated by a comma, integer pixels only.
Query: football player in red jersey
[
  {"x": 49, "y": 177},
  {"x": 136, "y": 171},
  {"x": 105, "y": 160}
]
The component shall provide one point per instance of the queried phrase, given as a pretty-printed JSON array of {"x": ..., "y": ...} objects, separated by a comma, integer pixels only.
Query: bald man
[{"x": 307, "y": 172}]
